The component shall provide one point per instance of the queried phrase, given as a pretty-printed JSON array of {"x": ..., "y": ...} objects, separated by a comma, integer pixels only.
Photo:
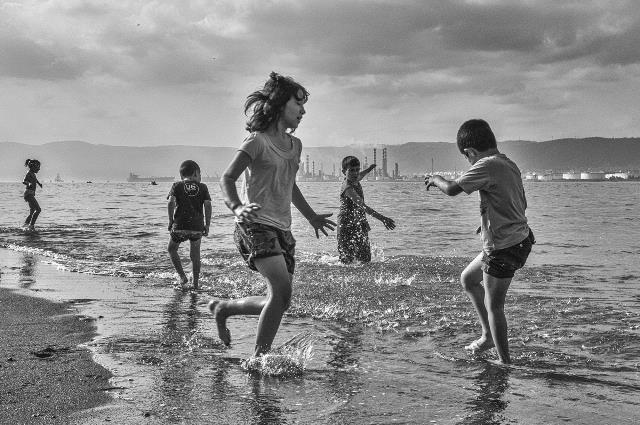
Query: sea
[{"x": 376, "y": 343}]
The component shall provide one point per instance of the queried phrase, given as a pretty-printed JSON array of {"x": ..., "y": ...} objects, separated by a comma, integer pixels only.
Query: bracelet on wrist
[{"x": 234, "y": 206}]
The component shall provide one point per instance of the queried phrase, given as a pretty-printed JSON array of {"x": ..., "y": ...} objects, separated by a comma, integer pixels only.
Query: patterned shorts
[
  {"x": 503, "y": 263},
  {"x": 257, "y": 240},
  {"x": 179, "y": 236}
]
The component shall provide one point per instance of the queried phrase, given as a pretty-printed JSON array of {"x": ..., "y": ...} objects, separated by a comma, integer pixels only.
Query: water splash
[{"x": 290, "y": 359}]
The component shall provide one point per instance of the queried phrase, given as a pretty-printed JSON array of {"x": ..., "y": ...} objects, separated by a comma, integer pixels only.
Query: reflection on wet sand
[
  {"x": 345, "y": 381},
  {"x": 488, "y": 404},
  {"x": 177, "y": 379},
  {"x": 28, "y": 270},
  {"x": 265, "y": 404}
]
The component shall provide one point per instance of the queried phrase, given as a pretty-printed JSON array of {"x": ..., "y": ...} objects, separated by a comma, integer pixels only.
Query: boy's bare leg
[
  {"x": 496, "y": 291},
  {"x": 175, "y": 259},
  {"x": 471, "y": 279},
  {"x": 194, "y": 253}
]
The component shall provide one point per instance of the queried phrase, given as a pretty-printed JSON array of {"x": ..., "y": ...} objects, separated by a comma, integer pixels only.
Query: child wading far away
[
  {"x": 30, "y": 180},
  {"x": 506, "y": 237},
  {"x": 269, "y": 159},
  {"x": 189, "y": 209},
  {"x": 353, "y": 227}
]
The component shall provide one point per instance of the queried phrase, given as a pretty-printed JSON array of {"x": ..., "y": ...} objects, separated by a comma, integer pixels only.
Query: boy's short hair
[
  {"x": 350, "y": 161},
  {"x": 475, "y": 134},
  {"x": 188, "y": 168}
]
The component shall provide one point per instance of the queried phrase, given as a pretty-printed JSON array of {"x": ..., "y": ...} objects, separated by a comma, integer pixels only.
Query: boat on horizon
[{"x": 136, "y": 178}]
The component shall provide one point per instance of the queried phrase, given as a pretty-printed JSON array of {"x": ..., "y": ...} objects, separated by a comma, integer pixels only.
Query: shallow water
[{"x": 387, "y": 336}]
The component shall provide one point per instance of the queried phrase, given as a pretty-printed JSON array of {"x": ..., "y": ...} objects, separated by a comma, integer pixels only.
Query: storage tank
[
  {"x": 591, "y": 176},
  {"x": 571, "y": 176}
]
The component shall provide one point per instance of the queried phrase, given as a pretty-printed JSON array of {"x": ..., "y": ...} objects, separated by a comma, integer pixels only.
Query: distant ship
[
  {"x": 58, "y": 178},
  {"x": 136, "y": 178}
]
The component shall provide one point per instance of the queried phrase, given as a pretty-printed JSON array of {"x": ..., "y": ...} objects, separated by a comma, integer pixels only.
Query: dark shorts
[
  {"x": 30, "y": 198},
  {"x": 179, "y": 236},
  {"x": 256, "y": 240},
  {"x": 503, "y": 263}
]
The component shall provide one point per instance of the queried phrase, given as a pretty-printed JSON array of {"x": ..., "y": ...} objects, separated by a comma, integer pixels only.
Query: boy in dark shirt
[{"x": 187, "y": 200}]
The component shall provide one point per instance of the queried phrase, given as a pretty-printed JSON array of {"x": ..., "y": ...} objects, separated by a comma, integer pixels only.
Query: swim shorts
[
  {"x": 503, "y": 263},
  {"x": 179, "y": 236},
  {"x": 257, "y": 240},
  {"x": 29, "y": 194}
]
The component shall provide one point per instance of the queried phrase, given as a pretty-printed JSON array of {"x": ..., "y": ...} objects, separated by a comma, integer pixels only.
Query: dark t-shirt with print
[{"x": 190, "y": 197}]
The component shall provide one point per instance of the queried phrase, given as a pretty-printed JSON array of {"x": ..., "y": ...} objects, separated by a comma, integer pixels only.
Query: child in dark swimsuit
[
  {"x": 353, "y": 227},
  {"x": 30, "y": 180}
]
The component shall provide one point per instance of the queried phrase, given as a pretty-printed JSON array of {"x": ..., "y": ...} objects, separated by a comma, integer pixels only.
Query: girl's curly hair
[{"x": 266, "y": 105}]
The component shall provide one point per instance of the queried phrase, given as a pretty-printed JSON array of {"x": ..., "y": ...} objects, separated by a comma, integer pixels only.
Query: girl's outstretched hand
[
  {"x": 388, "y": 223},
  {"x": 247, "y": 212},
  {"x": 320, "y": 221}
]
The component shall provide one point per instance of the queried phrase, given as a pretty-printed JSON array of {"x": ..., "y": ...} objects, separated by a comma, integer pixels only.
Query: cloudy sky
[{"x": 142, "y": 72}]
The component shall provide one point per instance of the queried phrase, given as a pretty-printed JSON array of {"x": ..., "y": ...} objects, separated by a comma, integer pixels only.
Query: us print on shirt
[{"x": 191, "y": 188}]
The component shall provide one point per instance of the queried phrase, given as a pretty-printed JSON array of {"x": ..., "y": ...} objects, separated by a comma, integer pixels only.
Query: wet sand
[
  {"x": 168, "y": 366},
  {"x": 45, "y": 375}
]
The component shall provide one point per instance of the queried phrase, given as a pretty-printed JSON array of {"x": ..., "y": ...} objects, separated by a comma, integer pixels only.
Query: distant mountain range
[{"x": 76, "y": 160}]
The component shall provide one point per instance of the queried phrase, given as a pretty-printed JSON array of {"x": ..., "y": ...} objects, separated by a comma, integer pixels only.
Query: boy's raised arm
[
  {"x": 318, "y": 221},
  {"x": 351, "y": 194},
  {"x": 450, "y": 187},
  {"x": 366, "y": 171}
]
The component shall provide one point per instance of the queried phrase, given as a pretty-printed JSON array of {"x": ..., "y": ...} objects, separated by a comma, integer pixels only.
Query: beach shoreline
[
  {"x": 49, "y": 323},
  {"x": 46, "y": 375}
]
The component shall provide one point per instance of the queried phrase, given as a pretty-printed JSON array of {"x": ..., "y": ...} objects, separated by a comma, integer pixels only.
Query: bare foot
[
  {"x": 181, "y": 283},
  {"x": 479, "y": 345},
  {"x": 221, "y": 321}
]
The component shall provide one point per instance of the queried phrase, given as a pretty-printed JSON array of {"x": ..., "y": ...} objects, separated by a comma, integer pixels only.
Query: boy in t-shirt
[
  {"x": 506, "y": 237},
  {"x": 187, "y": 200}
]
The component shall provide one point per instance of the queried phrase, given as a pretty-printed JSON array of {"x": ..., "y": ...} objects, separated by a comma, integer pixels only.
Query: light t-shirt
[
  {"x": 502, "y": 200},
  {"x": 269, "y": 179}
]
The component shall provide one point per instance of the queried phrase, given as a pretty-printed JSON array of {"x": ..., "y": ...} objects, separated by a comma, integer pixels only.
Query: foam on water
[{"x": 289, "y": 359}]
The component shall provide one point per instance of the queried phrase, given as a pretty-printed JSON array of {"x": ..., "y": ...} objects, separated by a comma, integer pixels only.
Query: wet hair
[
  {"x": 475, "y": 134},
  {"x": 188, "y": 168},
  {"x": 349, "y": 161},
  {"x": 264, "y": 107},
  {"x": 32, "y": 163}
]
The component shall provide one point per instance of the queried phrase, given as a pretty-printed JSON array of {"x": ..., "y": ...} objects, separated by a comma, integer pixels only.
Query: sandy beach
[
  {"x": 48, "y": 372},
  {"x": 45, "y": 375}
]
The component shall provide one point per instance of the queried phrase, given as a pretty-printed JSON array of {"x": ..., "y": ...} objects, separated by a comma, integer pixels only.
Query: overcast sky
[{"x": 142, "y": 73}]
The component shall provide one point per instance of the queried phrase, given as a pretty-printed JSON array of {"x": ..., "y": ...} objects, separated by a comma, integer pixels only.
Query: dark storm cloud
[
  {"x": 24, "y": 58},
  {"x": 162, "y": 43}
]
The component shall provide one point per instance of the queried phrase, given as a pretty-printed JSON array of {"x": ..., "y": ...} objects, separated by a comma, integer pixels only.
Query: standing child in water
[
  {"x": 269, "y": 158},
  {"x": 187, "y": 200},
  {"x": 506, "y": 237},
  {"x": 353, "y": 227},
  {"x": 30, "y": 180}
]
